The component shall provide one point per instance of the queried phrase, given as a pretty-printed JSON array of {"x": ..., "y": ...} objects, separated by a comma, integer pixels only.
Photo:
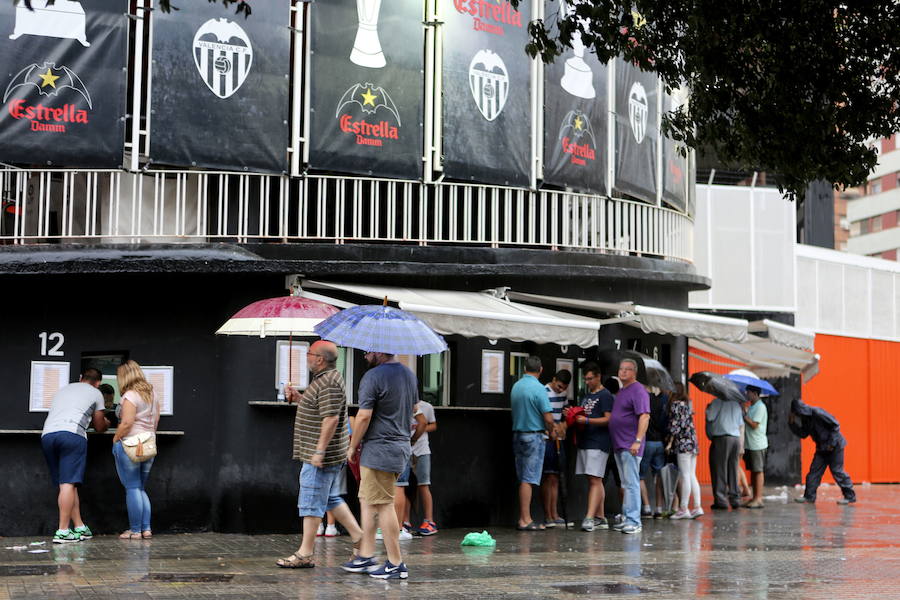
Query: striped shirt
[{"x": 324, "y": 397}]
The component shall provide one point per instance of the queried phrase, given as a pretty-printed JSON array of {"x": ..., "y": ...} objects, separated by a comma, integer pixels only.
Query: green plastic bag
[{"x": 478, "y": 539}]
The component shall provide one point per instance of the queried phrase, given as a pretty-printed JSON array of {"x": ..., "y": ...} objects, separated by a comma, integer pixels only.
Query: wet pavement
[{"x": 783, "y": 551}]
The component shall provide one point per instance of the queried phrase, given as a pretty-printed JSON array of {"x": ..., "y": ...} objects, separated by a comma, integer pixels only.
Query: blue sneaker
[
  {"x": 358, "y": 564},
  {"x": 390, "y": 571}
]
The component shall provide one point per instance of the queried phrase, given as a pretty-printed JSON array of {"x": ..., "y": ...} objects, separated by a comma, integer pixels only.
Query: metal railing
[{"x": 112, "y": 206}]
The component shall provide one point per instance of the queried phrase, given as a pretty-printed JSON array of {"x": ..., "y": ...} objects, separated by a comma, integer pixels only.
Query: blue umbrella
[
  {"x": 380, "y": 329},
  {"x": 743, "y": 378}
]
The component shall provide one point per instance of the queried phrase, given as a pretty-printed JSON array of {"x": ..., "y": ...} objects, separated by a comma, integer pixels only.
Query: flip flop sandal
[
  {"x": 530, "y": 527},
  {"x": 147, "y": 534},
  {"x": 129, "y": 535},
  {"x": 296, "y": 562}
]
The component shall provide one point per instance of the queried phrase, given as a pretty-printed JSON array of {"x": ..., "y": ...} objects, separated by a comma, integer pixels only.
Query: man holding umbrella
[
  {"x": 723, "y": 427},
  {"x": 825, "y": 431},
  {"x": 388, "y": 394}
]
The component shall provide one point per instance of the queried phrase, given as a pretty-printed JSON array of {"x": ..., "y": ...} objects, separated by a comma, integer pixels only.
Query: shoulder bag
[{"x": 140, "y": 447}]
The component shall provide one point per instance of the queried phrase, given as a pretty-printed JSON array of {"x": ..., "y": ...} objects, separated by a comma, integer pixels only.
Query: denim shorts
[
  {"x": 66, "y": 455},
  {"x": 319, "y": 490},
  {"x": 528, "y": 448},
  {"x": 552, "y": 457},
  {"x": 422, "y": 468},
  {"x": 654, "y": 458}
]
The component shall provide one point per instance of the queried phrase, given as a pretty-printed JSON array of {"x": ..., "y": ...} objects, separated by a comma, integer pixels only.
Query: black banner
[
  {"x": 575, "y": 118},
  {"x": 675, "y": 167},
  {"x": 637, "y": 129},
  {"x": 367, "y": 87},
  {"x": 220, "y": 87},
  {"x": 486, "y": 91},
  {"x": 63, "y": 69}
]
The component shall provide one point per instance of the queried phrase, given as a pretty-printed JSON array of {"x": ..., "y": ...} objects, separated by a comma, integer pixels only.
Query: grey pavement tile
[{"x": 783, "y": 551}]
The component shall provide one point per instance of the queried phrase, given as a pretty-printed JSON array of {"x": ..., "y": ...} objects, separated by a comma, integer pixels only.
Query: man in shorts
[
  {"x": 320, "y": 443},
  {"x": 532, "y": 418},
  {"x": 756, "y": 444},
  {"x": 388, "y": 394},
  {"x": 594, "y": 445},
  {"x": 64, "y": 442},
  {"x": 420, "y": 464},
  {"x": 554, "y": 451}
]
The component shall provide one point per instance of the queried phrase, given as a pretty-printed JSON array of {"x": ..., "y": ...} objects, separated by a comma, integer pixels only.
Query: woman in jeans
[
  {"x": 140, "y": 414},
  {"x": 683, "y": 441}
]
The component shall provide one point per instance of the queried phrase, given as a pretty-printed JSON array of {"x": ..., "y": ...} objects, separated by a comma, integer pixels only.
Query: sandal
[
  {"x": 530, "y": 527},
  {"x": 129, "y": 535},
  {"x": 296, "y": 562},
  {"x": 147, "y": 534}
]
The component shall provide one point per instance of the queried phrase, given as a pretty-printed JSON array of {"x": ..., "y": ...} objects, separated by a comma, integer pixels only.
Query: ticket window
[{"x": 106, "y": 362}]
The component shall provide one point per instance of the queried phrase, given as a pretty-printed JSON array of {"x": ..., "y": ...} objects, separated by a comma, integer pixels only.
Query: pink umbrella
[{"x": 285, "y": 315}]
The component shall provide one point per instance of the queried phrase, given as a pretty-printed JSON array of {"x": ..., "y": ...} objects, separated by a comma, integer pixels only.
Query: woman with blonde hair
[{"x": 140, "y": 414}]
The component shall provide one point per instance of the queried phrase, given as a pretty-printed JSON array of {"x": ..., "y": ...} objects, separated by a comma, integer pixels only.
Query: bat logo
[
  {"x": 577, "y": 127},
  {"x": 48, "y": 80},
  {"x": 638, "y": 110},
  {"x": 489, "y": 83},
  {"x": 223, "y": 56},
  {"x": 370, "y": 98}
]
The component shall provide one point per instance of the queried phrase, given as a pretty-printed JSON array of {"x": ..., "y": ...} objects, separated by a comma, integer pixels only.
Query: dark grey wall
[{"x": 231, "y": 470}]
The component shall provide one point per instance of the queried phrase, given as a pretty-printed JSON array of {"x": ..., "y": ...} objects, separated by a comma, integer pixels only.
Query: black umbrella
[{"x": 717, "y": 385}]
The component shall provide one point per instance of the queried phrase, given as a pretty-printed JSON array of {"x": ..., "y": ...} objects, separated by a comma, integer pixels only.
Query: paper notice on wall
[
  {"x": 291, "y": 368},
  {"x": 162, "y": 379},
  {"x": 492, "y": 372},
  {"x": 47, "y": 377}
]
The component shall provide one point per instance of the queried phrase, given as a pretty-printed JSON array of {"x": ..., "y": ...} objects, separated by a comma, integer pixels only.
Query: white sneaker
[
  {"x": 321, "y": 530},
  {"x": 587, "y": 524},
  {"x": 681, "y": 514},
  {"x": 405, "y": 535},
  {"x": 696, "y": 512},
  {"x": 331, "y": 531}
]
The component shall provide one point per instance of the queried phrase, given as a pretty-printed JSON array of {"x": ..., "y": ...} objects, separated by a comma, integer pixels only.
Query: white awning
[
  {"x": 652, "y": 319},
  {"x": 472, "y": 314},
  {"x": 785, "y": 335},
  {"x": 766, "y": 357}
]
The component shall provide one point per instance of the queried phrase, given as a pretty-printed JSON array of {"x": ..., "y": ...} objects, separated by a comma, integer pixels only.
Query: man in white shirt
[{"x": 64, "y": 441}]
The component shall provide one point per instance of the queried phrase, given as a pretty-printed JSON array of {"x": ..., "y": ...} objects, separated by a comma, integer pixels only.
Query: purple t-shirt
[{"x": 631, "y": 402}]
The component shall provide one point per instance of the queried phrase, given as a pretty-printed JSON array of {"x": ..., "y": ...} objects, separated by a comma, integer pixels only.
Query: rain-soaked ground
[{"x": 784, "y": 551}]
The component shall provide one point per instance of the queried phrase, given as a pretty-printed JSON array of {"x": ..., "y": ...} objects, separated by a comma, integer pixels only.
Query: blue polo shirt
[{"x": 529, "y": 403}]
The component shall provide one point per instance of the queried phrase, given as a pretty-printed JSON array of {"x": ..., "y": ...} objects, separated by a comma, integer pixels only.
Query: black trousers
[{"x": 834, "y": 460}]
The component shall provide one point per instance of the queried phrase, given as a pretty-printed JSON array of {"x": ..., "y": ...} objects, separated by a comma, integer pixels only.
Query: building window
[
  {"x": 855, "y": 228},
  {"x": 876, "y": 224},
  {"x": 863, "y": 227},
  {"x": 874, "y": 187}
]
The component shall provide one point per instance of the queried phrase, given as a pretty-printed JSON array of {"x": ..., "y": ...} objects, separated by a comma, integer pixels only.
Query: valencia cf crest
[
  {"x": 223, "y": 55},
  {"x": 638, "y": 110},
  {"x": 489, "y": 83}
]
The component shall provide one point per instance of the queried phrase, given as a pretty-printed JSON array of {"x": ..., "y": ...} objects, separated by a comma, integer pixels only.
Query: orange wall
[
  {"x": 859, "y": 383},
  {"x": 699, "y": 361}
]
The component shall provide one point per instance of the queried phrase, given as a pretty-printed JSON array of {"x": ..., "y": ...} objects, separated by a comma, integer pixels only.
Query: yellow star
[
  {"x": 578, "y": 123},
  {"x": 48, "y": 78},
  {"x": 369, "y": 97}
]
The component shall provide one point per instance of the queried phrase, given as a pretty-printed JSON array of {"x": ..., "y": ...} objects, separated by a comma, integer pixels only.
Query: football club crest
[
  {"x": 223, "y": 55},
  {"x": 638, "y": 111},
  {"x": 489, "y": 83}
]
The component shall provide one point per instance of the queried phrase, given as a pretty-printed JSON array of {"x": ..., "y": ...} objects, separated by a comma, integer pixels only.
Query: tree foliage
[{"x": 796, "y": 87}]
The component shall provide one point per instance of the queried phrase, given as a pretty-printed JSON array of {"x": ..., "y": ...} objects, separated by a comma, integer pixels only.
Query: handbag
[{"x": 140, "y": 447}]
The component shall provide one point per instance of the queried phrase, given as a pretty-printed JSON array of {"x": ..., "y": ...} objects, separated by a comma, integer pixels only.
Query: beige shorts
[{"x": 377, "y": 487}]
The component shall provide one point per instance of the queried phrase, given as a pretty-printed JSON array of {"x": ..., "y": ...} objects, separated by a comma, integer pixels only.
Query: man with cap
[{"x": 825, "y": 431}]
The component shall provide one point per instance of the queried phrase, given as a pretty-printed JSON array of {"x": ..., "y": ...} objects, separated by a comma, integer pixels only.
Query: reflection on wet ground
[{"x": 784, "y": 551}]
